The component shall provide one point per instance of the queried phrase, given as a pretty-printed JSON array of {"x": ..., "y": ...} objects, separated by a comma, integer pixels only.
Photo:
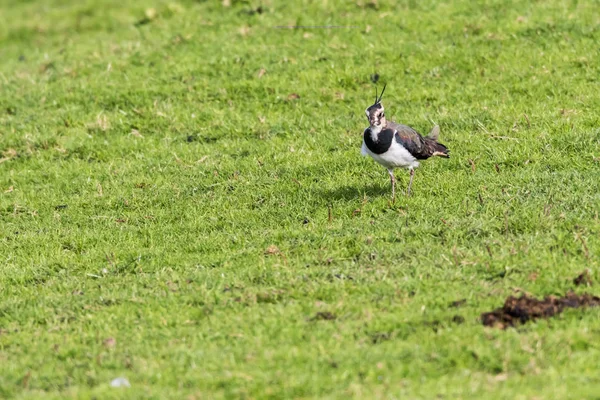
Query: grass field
[{"x": 183, "y": 202}]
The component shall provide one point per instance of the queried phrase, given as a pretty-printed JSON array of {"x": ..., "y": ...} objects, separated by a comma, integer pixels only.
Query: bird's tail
[
  {"x": 435, "y": 133},
  {"x": 438, "y": 148}
]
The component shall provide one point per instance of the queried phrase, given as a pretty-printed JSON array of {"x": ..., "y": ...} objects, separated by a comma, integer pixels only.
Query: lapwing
[{"x": 398, "y": 146}]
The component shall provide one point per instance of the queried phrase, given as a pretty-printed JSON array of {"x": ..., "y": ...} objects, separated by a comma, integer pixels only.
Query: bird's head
[{"x": 376, "y": 113}]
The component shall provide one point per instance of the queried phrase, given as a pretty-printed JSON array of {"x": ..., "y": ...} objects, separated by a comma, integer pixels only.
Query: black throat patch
[{"x": 383, "y": 142}]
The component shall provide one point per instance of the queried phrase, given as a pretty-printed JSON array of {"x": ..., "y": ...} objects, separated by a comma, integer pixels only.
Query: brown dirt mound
[
  {"x": 583, "y": 279},
  {"x": 520, "y": 310},
  {"x": 323, "y": 316}
]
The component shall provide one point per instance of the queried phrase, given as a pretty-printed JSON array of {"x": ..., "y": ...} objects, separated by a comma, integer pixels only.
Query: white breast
[
  {"x": 363, "y": 150},
  {"x": 396, "y": 157}
]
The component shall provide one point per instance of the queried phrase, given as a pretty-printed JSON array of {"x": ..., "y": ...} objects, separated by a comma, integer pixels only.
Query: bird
[{"x": 395, "y": 145}]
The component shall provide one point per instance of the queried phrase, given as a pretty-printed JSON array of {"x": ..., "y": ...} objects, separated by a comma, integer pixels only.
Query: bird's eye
[{"x": 383, "y": 114}]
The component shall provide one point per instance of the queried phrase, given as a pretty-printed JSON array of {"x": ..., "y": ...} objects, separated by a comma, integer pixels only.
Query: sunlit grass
[{"x": 183, "y": 202}]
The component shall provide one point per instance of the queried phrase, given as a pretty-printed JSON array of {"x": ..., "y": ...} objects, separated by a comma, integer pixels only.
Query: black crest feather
[
  {"x": 381, "y": 95},
  {"x": 378, "y": 99}
]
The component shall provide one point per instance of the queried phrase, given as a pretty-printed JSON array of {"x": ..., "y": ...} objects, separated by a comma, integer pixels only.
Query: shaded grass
[{"x": 159, "y": 190}]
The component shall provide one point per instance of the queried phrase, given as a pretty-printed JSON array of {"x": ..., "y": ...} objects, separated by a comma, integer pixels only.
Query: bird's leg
[
  {"x": 393, "y": 180},
  {"x": 412, "y": 175}
]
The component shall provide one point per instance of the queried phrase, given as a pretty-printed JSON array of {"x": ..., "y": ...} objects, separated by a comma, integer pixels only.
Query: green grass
[{"x": 170, "y": 214}]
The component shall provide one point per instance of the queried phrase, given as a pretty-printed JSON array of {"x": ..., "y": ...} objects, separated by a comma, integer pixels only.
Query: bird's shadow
[{"x": 356, "y": 192}]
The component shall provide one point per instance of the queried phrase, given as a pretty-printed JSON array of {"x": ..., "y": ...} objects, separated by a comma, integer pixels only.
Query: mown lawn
[{"x": 183, "y": 202}]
